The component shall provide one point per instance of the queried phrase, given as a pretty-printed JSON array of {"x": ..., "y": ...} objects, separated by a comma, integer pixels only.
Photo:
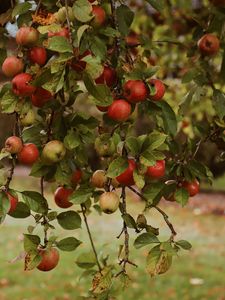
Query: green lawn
[{"x": 205, "y": 261}]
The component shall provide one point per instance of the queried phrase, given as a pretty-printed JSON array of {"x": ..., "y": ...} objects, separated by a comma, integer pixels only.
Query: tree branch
[{"x": 11, "y": 172}]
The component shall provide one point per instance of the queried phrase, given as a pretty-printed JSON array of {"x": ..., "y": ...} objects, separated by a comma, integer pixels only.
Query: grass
[{"x": 195, "y": 275}]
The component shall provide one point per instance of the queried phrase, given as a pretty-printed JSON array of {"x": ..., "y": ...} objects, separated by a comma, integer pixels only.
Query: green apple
[
  {"x": 28, "y": 118},
  {"x": 109, "y": 202},
  {"x": 53, "y": 152}
]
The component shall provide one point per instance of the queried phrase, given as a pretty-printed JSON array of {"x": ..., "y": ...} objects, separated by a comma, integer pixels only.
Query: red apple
[
  {"x": 126, "y": 178},
  {"x": 27, "y": 36},
  {"x": 191, "y": 187},
  {"x": 119, "y": 110},
  {"x": 156, "y": 171},
  {"x": 13, "y": 144},
  {"x": 62, "y": 32},
  {"x": 135, "y": 91},
  {"x": 21, "y": 86},
  {"x": 13, "y": 202},
  {"x": 29, "y": 154},
  {"x": 40, "y": 97},
  {"x": 99, "y": 15},
  {"x": 107, "y": 77},
  {"x": 78, "y": 64},
  {"x": 76, "y": 177},
  {"x": 12, "y": 66},
  {"x": 50, "y": 259},
  {"x": 102, "y": 108},
  {"x": 61, "y": 197},
  {"x": 132, "y": 40},
  {"x": 209, "y": 44},
  {"x": 37, "y": 55},
  {"x": 159, "y": 89}
]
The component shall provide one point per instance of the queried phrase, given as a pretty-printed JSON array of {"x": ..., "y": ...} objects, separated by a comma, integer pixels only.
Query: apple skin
[
  {"x": 99, "y": 179},
  {"x": 119, "y": 110},
  {"x": 21, "y": 86},
  {"x": 40, "y": 97},
  {"x": 126, "y": 178},
  {"x": 76, "y": 177},
  {"x": 209, "y": 44},
  {"x": 38, "y": 55},
  {"x": 12, "y": 66},
  {"x": 99, "y": 16},
  {"x": 102, "y": 108},
  {"x": 61, "y": 197},
  {"x": 13, "y": 144},
  {"x": 107, "y": 77},
  {"x": 53, "y": 152},
  {"x": 50, "y": 259},
  {"x": 156, "y": 171},
  {"x": 159, "y": 89},
  {"x": 191, "y": 187},
  {"x": 109, "y": 202},
  {"x": 13, "y": 202},
  {"x": 63, "y": 32},
  {"x": 135, "y": 91},
  {"x": 29, "y": 154},
  {"x": 27, "y": 36},
  {"x": 28, "y": 119}
]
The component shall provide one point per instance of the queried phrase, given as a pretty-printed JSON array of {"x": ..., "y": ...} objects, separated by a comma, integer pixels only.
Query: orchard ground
[{"x": 195, "y": 275}]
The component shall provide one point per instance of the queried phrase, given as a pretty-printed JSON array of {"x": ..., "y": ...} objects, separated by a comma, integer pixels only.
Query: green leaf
[
  {"x": 184, "y": 244},
  {"x": 129, "y": 220},
  {"x": 4, "y": 204},
  {"x": 71, "y": 140},
  {"x": 145, "y": 239},
  {"x": 158, "y": 261},
  {"x": 86, "y": 260},
  {"x": 55, "y": 82},
  {"x": 169, "y": 117},
  {"x": 157, "y": 4},
  {"x": 139, "y": 179},
  {"x": 21, "y": 8},
  {"x": 102, "y": 281},
  {"x": 22, "y": 211},
  {"x": 98, "y": 47},
  {"x": 155, "y": 140},
  {"x": 117, "y": 167},
  {"x": 35, "y": 201},
  {"x": 185, "y": 104},
  {"x": 133, "y": 145},
  {"x": 32, "y": 260},
  {"x": 219, "y": 103},
  {"x": 124, "y": 18},
  {"x": 69, "y": 220},
  {"x": 80, "y": 32},
  {"x": 82, "y": 10},
  {"x": 38, "y": 170},
  {"x": 8, "y": 102},
  {"x": 181, "y": 196},
  {"x": 59, "y": 44},
  {"x": 52, "y": 27},
  {"x": 68, "y": 244},
  {"x": 81, "y": 195},
  {"x": 153, "y": 193},
  {"x": 31, "y": 242}
]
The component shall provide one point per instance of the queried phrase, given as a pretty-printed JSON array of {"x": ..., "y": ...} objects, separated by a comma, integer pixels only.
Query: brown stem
[
  {"x": 90, "y": 236},
  {"x": 68, "y": 21},
  {"x": 37, "y": 8},
  {"x": 45, "y": 221},
  {"x": 49, "y": 129},
  {"x": 11, "y": 172}
]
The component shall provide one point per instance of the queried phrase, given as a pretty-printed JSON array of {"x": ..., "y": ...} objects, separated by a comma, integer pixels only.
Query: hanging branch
[
  {"x": 11, "y": 172},
  {"x": 90, "y": 236}
]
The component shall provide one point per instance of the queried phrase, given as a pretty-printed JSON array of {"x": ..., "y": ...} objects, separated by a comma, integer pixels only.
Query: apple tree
[{"x": 109, "y": 97}]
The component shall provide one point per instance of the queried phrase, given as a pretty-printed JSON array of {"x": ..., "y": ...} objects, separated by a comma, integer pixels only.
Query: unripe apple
[
  {"x": 21, "y": 86},
  {"x": 126, "y": 178},
  {"x": 61, "y": 197},
  {"x": 28, "y": 119},
  {"x": 135, "y": 91},
  {"x": 13, "y": 202},
  {"x": 156, "y": 171},
  {"x": 159, "y": 88},
  {"x": 107, "y": 77},
  {"x": 99, "y": 179},
  {"x": 76, "y": 177},
  {"x": 13, "y": 144},
  {"x": 119, "y": 110},
  {"x": 104, "y": 146},
  {"x": 50, "y": 259},
  {"x": 191, "y": 187},
  {"x": 38, "y": 55},
  {"x": 102, "y": 108},
  {"x": 109, "y": 202},
  {"x": 29, "y": 154},
  {"x": 53, "y": 152},
  {"x": 27, "y": 36},
  {"x": 209, "y": 44},
  {"x": 99, "y": 16},
  {"x": 12, "y": 66},
  {"x": 40, "y": 97},
  {"x": 62, "y": 32}
]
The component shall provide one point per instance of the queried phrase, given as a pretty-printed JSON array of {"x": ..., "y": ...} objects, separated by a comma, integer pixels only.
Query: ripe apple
[
  {"x": 126, "y": 178},
  {"x": 13, "y": 144},
  {"x": 99, "y": 16},
  {"x": 27, "y": 36},
  {"x": 159, "y": 87},
  {"x": 13, "y": 202},
  {"x": 29, "y": 154},
  {"x": 28, "y": 119},
  {"x": 61, "y": 197},
  {"x": 78, "y": 64},
  {"x": 62, "y": 32},
  {"x": 12, "y": 66},
  {"x": 76, "y": 177},
  {"x": 40, "y": 97},
  {"x": 191, "y": 187},
  {"x": 135, "y": 91},
  {"x": 104, "y": 146},
  {"x": 102, "y": 108},
  {"x": 53, "y": 152},
  {"x": 209, "y": 44},
  {"x": 50, "y": 259},
  {"x": 119, "y": 110},
  {"x": 107, "y": 77},
  {"x": 156, "y": 171},
  {"x": 21, "y": 86},
  {"x": 132, "y": 40},
  {"x": 99, "y": 179},
  {"x": 109, "y": 202},
  {"x": 38, "y": 55}
]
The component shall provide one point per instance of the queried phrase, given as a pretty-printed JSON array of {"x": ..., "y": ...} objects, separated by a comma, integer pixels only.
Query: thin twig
[
  {"x": 90, "y": 237},
  {"x": 11, "y": 172},
  {"x": 37, "y": 7},
  {"x": 68, "y": 21},
  {"x": 49, "y": 129}
]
